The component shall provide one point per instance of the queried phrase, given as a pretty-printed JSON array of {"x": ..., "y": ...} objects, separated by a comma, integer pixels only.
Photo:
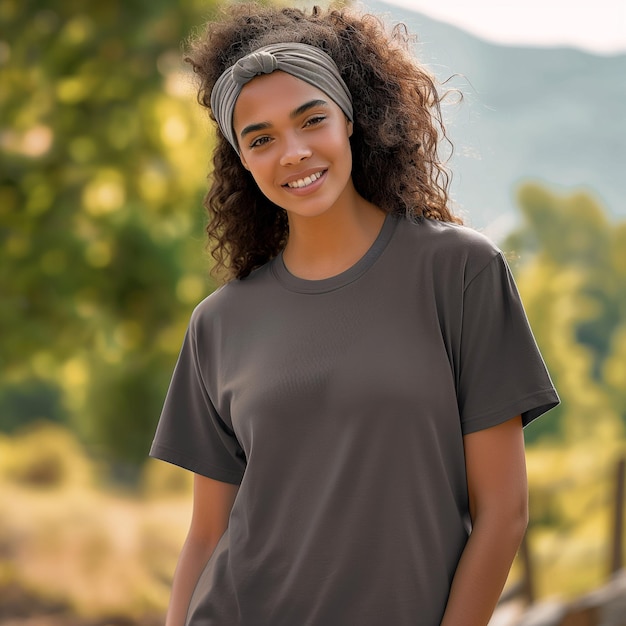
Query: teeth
[{"x": 304, "y": 182}]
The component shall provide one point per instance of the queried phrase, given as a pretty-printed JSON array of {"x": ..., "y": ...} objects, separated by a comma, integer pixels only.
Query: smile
[{"x": 306, "y": 181}]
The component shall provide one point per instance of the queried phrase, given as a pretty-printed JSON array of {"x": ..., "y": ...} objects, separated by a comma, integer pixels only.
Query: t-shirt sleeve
[
  {"x": 502, "y": 373},
  {"x": 190, "y": 433}
]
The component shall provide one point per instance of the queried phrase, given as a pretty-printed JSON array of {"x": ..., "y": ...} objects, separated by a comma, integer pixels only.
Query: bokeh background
[{"x": 103, "y": 161}]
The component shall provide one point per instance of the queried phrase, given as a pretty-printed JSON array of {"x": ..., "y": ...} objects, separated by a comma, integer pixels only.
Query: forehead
[{"x": 272, "y": 96}]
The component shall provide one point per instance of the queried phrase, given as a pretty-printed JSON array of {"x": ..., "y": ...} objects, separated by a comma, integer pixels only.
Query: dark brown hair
[{"x": 397, "y": 124}]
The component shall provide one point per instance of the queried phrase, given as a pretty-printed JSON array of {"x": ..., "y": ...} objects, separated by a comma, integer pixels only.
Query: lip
[
  {"x": 309, "y": 189},
  {"x": 312, "y": 188},
  {"x": 304, "y": 174}
]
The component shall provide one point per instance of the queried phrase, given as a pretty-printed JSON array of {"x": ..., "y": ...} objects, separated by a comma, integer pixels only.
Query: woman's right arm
[{"x": 212, "y": 502}]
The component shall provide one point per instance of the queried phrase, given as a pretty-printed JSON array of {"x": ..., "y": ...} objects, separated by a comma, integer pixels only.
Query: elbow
[
  {"x": 519, "y": 523},
  {"x": 520, "y": 514},
  {"x": 506, "y": 519}
]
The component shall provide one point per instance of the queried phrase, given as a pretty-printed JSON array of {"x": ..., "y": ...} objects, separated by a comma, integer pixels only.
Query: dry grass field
[{"x": 75, "y": 552}]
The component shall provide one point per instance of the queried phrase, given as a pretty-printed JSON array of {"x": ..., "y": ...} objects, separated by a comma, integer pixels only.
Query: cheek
[
  {"x": 262, "y": 175},
  {"x": 342, "y": 143},
  {"x": 344, "y": 150},
  {"x": 256, "y": 167}
]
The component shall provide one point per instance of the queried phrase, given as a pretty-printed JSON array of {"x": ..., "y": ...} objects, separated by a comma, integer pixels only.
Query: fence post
[{"x": 617, "y": 544}]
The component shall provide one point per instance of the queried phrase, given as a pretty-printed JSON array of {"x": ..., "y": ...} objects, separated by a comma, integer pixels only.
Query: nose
[{"x": 295, "y": 150}]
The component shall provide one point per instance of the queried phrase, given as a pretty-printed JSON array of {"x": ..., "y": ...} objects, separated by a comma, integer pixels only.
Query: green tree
[
  {"x": 103, "y": 160},
  {"x": 569, "y": 262}
]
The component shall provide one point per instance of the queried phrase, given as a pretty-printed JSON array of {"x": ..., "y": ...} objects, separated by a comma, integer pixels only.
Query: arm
[
  {"x": 498, "y": 502},
  {"x": 212, "y": 502}
]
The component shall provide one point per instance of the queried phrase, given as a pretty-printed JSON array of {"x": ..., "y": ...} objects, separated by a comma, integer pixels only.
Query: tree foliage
[
  {"x": 101, "y": 251},
  {"x": 571, "y": 268},
  {"x": 103, "y": 162},
  {"x": 570, "y": 265}
]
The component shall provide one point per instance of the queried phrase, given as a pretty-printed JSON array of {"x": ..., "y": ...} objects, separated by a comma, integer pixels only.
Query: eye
[
  {"x": 316, "y": 119},
  {"x": 259, "y": 141}
]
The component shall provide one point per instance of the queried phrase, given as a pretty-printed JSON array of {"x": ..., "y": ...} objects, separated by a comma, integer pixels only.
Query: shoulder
[
  {"x": 450, "y": 238},
  {"x": 229, "y": 299},
  {"x": 449, "y": 245}
]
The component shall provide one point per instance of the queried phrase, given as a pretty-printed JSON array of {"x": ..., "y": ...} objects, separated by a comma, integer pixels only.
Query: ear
[
  {"x": 243, "y": 162},
  {"x": 350, "y": 127}
]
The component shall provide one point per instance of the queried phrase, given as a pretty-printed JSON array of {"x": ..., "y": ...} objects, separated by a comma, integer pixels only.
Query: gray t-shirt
[{"x": 340, "y": 406}]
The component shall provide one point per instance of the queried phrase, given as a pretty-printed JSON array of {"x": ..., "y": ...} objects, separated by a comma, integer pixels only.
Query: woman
[{"x": 351, "y": 402}]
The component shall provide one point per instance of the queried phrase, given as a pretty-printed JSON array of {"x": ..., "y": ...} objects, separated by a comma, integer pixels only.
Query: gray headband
[{"x": 305, "y": 62}]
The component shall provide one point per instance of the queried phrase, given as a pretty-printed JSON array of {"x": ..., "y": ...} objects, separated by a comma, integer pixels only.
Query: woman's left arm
[{"x": 498, "y": 502}]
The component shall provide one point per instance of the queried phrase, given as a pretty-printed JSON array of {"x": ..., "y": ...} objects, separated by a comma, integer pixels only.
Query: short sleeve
[
  {"x": 190, "y": 433},
  {"x": 502, "y": 373}
]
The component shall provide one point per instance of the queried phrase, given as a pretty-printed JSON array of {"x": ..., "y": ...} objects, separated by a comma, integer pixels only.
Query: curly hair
[{"x": 397, "y": 124}]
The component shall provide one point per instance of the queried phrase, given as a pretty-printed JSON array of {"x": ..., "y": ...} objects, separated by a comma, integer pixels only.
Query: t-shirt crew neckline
[{"x": 303, "y": 285}]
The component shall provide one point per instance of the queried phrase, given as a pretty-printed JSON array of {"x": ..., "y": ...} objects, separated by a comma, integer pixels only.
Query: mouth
[{"x": 301, "y": 183}]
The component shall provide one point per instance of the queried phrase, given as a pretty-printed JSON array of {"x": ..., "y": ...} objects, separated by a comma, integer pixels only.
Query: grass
[
  {"x": 70, "y": 545},
  {"x": 97, "y": 552},
  {"x": 67, "y": 542}
]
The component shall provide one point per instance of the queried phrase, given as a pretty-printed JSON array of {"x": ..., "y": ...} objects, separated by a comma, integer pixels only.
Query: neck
[{"x": 326, "y": 245}]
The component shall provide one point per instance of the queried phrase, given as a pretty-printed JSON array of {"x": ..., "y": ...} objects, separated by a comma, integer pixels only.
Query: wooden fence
[{"x": 603, "y": 607}]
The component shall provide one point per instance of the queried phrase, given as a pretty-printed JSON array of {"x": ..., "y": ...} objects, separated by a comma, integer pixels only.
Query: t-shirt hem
[
  {"x": 163, "y": 453},
  {"x": 530, "y": 407}
]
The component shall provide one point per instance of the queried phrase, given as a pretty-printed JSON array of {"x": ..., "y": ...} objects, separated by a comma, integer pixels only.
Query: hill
[{"x": 552, "y": 115}]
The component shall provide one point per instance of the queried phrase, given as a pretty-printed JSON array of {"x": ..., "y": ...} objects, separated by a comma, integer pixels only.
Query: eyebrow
[{"x": 303, "y": 108}]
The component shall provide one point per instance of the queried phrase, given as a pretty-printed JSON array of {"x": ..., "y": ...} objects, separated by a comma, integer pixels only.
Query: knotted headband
[{"x": 305, "y": 62}]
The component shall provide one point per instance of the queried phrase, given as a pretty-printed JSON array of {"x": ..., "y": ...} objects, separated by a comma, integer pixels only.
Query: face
[{"x": 294, "y": 140}]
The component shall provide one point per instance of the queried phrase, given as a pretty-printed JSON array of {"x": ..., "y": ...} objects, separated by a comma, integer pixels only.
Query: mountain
[{"x": 554, "y": 115}]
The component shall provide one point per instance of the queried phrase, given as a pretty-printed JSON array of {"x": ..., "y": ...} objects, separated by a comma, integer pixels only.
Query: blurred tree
[
  {"x": 29, "y": 400},
  {"x": 103, "y": 157},
  {"x": 614, "y": 366},
  {"x": 570, "y": 264}
]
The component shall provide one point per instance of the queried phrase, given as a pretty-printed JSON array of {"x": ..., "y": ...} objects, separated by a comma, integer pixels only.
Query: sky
[{"x": 597, "y": 26}]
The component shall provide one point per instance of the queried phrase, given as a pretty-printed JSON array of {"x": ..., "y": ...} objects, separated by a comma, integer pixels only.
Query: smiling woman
[
  {"x": 301, "y": 160},
  {"x": 398, "y": 118},
  {"x": 302, "y": 149},
  {"x": 351, "y": 402}
]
